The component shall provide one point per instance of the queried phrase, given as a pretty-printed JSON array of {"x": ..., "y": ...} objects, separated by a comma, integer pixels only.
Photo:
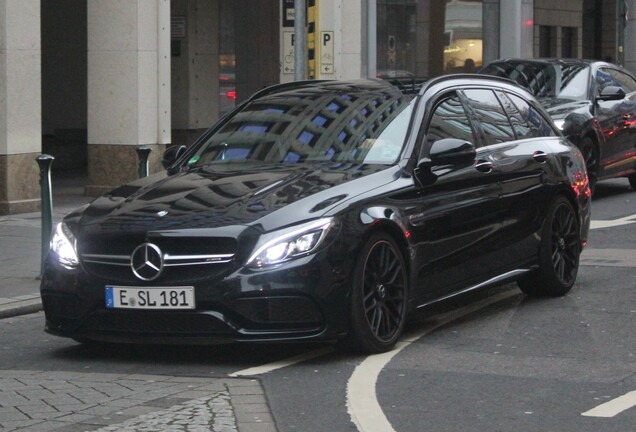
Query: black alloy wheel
[
  {"x": 590, "y": 154},
  {"x": 559, "y": 253},
  {"x": 378, "y": 309}
]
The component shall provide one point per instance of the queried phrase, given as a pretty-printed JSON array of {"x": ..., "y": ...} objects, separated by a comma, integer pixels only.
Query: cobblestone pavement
[{"x": 75, "y": 401}]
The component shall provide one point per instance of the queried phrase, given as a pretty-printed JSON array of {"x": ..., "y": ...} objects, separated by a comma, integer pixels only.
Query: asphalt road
[{"x": 495, "y": 361}]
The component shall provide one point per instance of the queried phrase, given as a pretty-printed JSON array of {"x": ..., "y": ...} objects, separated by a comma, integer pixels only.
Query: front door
[{"x": 453, "y": 218}]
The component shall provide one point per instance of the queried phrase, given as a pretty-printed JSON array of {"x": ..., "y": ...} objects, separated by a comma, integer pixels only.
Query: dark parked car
[
  {"x": 592, "y": 102},
  {"x": 327, "y": 211}
]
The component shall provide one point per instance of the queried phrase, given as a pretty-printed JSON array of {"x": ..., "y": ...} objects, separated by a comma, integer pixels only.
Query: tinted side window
[
  {"x": 536, "y": 124},
  {"x": 604, "y": 79},
  {"x": 625, "y": 81},
  {"x": 520, "y": 124},
  {"x": 491, "y": 116},
  {"x": 449, "y": 120}
]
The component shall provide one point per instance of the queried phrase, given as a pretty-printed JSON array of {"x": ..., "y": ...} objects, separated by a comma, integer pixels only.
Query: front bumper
[{"x": 301, "y": 300}]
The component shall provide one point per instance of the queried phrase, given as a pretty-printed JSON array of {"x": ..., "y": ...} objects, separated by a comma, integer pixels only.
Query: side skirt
[{"x": 505, "y": 277}]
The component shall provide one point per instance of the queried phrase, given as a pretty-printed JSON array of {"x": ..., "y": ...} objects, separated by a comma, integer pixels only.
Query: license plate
[{"x": 123, "y": 297}]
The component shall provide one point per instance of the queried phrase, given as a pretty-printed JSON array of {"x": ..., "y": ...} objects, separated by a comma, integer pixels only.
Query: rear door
[
  {"x": 524, "y": 164},
  {"x": 519, "y": 156}
]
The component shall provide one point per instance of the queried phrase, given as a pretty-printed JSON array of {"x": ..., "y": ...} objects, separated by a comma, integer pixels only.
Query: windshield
[
  {"x": 546, "y": 79},
  {"x": 312, "y": 126}
]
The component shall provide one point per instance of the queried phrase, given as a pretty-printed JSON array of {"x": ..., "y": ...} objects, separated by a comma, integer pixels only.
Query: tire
[
  {"x": 632, "y": 180},
  {"x": 559, "y": 253},
  {"x": 378, "y": 298},
  {"x": 590, "y": 154}
]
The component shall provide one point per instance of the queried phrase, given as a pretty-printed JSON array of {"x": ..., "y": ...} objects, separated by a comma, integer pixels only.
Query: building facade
[{"x": 91, "y": 81}]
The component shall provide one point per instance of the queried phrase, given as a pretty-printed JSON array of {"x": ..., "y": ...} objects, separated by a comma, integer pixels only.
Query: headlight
[
  {"x": 288, "y": 244},
  {"x": 559, "y": 124},
  {"x": 63, "y": 246}
]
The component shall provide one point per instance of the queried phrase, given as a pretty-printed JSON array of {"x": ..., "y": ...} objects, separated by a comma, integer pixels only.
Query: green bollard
[
  {"x": 142, "y": 154},
  {"x": 45, "y": 161}
]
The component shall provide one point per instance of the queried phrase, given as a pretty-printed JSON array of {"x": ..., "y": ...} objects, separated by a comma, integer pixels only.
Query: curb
[{"x": 22, "y": 307}]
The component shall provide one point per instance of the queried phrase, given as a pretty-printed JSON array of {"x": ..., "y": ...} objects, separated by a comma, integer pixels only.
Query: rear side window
[
  {"x": 520, "y": 124},
  {"x": 490, "y": 115},
  {"x": 604, "y": 78},
  {"x": 626, "y": 82},
  {"x": 531, "y": 123}
]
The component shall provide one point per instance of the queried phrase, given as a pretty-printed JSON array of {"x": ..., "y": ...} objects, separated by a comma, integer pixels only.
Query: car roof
[
  {"x": 375, "y": 86},
  {"x": 305, "y": 88},
  {"x": 550, "y": 60},
  {"x": 463, "y": 80}
]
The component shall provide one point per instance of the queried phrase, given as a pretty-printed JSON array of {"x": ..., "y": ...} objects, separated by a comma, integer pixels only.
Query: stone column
[
  {"x": 516, "y": 28},
  {"x": 429, "y": 22},
  {"x": 630, "y": 36},
  {"x": 128, "y": 88},
  {"x": 348, "y": 45},
  {"x": 491, "y": 35},
  {"x": 20, "y": 105}
]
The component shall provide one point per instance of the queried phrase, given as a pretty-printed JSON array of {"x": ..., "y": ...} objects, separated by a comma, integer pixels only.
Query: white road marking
[
  {"x": 613, "y": 407},
  {"x": 260, "y": 370},
  {"x": 597, "y": 224},
  {"x": 362, "y": 403}
]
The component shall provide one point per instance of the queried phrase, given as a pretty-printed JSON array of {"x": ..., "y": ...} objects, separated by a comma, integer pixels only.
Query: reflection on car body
[
  {"x": 592, "y": 102},
  {"x": 326, "y": 211}
]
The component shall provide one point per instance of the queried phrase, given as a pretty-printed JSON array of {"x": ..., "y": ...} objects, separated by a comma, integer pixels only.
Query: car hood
[
  {"x": 219, "y": 196},
  {"x": 559, "y": 108}
]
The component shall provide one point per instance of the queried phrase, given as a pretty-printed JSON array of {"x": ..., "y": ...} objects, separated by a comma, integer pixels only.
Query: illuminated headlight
[
  {"x": 63, "y": 246},
  {"x": 288, "y": 244},
  {"x": 559, "y": 124}
]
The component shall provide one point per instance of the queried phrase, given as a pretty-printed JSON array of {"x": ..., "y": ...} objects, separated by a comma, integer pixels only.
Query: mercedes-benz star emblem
[{"x": 146, "y": 261}]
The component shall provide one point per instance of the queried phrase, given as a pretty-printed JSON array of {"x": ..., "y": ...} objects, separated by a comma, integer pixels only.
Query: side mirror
[
  {"x": 171, "y": 155},
  {"x": 447, "y": 151},
  {"x": 423, "y": 174},
  {"x": 611, "y": 93},
  {"x": 452, "y": 151}
]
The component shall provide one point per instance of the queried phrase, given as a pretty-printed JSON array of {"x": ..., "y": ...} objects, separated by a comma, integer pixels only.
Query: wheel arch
[
  {"x": 400, "y": 234},
  {"x": 571, "y": 195},
  {"x": 376, "y": 318}
]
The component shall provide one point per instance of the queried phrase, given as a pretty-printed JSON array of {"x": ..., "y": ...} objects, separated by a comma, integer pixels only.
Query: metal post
[
  {"x": 300, "y": 40},
  {"x": 372, "y": 38},
  {"x": 142, "y": 154},
  {"x": 44, "y": 162},
  {"x": 623, "y": 17}
]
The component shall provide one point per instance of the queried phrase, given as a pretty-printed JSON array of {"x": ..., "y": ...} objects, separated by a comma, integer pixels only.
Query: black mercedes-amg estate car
[
  {"x": 592, "y": 102},
  {"x": 327, "y": 210}
]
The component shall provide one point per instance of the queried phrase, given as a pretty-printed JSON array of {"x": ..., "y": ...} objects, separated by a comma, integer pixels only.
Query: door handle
[
  {"x": 483, "y": 166},
  {"x": 540, "y": 156},
  {"x": 627, "y": 120}
]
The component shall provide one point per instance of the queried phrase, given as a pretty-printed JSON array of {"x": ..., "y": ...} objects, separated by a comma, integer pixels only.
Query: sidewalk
[
  {"x": 83, "y": 401},
  {"x": 107, "y": 402},
  {"x": 20, "y": 248}
]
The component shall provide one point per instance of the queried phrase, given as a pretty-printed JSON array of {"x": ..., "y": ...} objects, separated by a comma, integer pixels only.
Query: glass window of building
[
  {"x": 418, "y": 38},
  {"x": 227, "y": 58},
  {"x": 463, "y": 35}
]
